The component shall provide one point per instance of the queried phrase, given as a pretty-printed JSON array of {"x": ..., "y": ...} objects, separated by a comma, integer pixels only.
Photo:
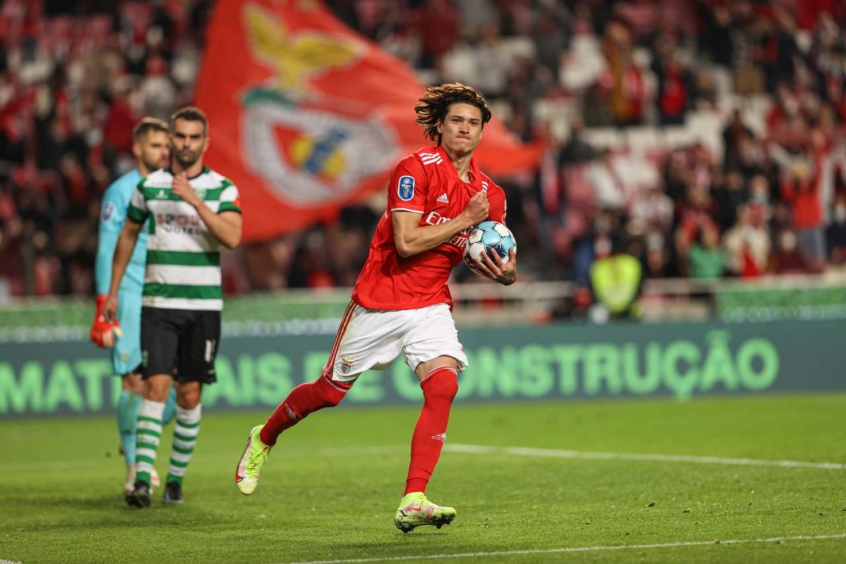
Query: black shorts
[{"x": 180, "y": 342}]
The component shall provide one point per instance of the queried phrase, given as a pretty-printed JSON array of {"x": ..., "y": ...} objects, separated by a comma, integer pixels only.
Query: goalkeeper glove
[{"x": 103, "y": 333}]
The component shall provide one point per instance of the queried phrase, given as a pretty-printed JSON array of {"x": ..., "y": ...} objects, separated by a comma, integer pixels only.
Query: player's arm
[
  {"x": 225, "y": 225},
  {"x": 412, "y": 238},
  {"x": 123, "y": 252},
  {"x": 112, "y": 218}
]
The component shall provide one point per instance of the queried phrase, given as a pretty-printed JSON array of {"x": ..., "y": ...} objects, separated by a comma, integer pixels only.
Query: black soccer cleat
[
  {"x": 173, "y": 493},
  {"x": 140, "y": 496}
]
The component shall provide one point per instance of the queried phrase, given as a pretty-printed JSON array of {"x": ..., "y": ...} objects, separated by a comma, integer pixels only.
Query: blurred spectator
[
  {"x": 616, "y": 281},
  {"x": 788, "y": 257},
  {"x": 747, "y": 245},
  {"x": 696, "y": 215},
  {"x": 780, "y": 48},
  {"x": 577, "y": 150},
  {"x": 655, "y": 209},
  {"x": 733, "y": 132},
  {"x": 707, "y": 259},
  {"x": 836, "y": 233},
  {"x": 673, "y": 83},
  {"x": 438, "y": 26},
  {"x": 609, "y": 186},
  {"x": 729, "y": 193},
  {"x": 551, "y": 32},
  {"x": 801, "y": 189},
  {"x": 717, "y": 39}
]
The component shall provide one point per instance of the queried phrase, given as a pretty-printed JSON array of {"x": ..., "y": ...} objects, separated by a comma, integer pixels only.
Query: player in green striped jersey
[{"x": 193, "y": 211}]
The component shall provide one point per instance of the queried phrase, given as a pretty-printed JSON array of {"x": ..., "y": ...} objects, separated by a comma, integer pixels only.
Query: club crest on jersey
[
  {"x": 108, "y": 212},
  {"x": 405, "y": 188}
]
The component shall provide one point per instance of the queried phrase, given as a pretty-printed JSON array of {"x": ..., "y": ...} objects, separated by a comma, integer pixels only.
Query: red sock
[
  {"x": 304, "y": 399},
  {"x": 439, "y": 389}
]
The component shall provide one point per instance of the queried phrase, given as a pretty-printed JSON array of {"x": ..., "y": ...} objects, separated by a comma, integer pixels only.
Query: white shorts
[{"x": 373, "y": 339}]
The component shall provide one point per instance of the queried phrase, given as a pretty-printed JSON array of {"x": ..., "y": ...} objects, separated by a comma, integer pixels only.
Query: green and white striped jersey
[{"x": 183, "y": 257}]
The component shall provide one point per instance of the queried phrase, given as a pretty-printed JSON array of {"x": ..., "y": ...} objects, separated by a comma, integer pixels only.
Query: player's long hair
[{"x": 432, "y": 107}]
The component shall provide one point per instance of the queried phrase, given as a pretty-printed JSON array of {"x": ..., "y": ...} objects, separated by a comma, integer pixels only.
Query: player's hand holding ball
[
  {"x": 492, "y": 252},
  {"x": 105, "y": 329}
]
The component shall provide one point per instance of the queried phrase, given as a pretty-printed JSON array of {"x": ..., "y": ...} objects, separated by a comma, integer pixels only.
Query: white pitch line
[
  {"x": 574, "y": 549},
  {"x": 581, "y": 454},
  {"x": 468, "y": 449}
]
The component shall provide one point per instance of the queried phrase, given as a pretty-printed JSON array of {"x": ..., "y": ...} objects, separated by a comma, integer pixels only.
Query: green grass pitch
[{"x": 332, "y": 484}]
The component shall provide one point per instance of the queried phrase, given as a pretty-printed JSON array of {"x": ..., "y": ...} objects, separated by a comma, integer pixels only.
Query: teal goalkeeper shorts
[{"x": 126, "y": 354}]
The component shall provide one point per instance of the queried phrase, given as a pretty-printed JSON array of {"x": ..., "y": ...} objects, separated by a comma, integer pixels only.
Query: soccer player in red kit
[{"x": 401, "y": 303}]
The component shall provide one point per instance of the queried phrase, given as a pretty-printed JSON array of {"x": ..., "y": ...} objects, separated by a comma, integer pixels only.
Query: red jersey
[{"x": 427, "y": 183}]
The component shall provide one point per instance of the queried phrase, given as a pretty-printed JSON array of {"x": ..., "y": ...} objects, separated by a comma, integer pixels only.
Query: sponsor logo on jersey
[
  {"x": 405, "y": 188},
  {"x": 443, "y": 198},
  {"x": 459, "y": 240},
  {"x": 434, "y": 218},
  {"x": 179, "y": 223},
  {"x": 108, "y": 212}
]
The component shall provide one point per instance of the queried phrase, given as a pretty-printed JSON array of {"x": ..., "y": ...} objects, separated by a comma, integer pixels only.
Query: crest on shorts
[
  {"x": 346, "y": 365},
  {"x": 145, "y": 356}
]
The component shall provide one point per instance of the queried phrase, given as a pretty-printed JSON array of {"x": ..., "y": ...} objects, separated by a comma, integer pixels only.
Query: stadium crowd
[{"x": 767, "y": 195}]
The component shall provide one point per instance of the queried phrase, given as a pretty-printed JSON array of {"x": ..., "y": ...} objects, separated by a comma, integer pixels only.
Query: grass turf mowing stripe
[
  {"x": 631, "y": 456},
  {"x": 576, "y": 549}
]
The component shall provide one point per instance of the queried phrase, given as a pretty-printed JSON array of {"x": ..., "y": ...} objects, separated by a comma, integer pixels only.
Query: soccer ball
[{"x": 488, "y": 235}]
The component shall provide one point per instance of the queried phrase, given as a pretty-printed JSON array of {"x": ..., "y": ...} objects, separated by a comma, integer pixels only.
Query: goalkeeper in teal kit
[{"x": 151, "y": 149}]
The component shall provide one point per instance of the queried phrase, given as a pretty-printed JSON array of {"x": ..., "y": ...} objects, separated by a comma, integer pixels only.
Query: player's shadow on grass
[{"x": 109, "y": 504}]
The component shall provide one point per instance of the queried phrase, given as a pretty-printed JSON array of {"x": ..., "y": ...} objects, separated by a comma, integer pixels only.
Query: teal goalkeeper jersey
[{"x": 112, "y": 217}]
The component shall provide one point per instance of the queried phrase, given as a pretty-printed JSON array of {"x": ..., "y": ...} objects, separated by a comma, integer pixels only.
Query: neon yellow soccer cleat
[
  {"x": 415, "y": 510},
  {"x": 249, "y": 467}
]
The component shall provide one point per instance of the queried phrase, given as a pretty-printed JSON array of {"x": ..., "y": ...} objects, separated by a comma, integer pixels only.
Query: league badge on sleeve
[
  {"x": 108, "y": 212},
  {"x": 405, "y": 188}
]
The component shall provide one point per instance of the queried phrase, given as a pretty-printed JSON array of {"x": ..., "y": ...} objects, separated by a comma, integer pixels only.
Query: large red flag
[{"x": 306, "y": 115}]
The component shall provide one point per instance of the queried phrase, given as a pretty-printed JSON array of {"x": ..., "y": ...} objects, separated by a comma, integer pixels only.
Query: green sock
[
  {"x": 184, "y": 439},
  {"x": 149, "y": 434}
]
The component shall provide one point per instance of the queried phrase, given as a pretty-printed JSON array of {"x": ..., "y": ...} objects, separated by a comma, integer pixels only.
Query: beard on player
[{"x": 186, "y": 157}]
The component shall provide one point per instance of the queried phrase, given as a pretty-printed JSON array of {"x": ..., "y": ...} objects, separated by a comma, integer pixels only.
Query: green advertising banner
[
  {"x": 743, "y": 303},
  {"x": 521, "y": 363}
]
